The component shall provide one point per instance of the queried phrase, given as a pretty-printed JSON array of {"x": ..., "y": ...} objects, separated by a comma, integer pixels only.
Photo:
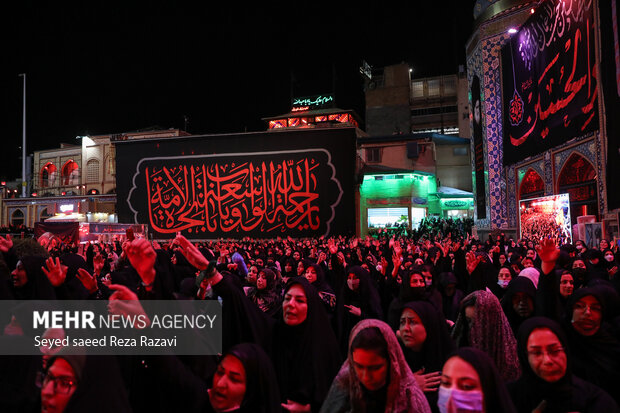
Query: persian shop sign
[
  {"x": 250, "y": 194},
  {"x": 313, "y": 102},
  {"x": 455, "y": 203}
]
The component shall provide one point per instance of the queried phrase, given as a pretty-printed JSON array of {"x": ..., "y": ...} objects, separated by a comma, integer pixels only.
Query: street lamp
[{"x": 24, "y": 140}]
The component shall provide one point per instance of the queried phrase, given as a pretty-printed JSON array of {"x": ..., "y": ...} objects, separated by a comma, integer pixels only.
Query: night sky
[{"x": 102, "y": 67}]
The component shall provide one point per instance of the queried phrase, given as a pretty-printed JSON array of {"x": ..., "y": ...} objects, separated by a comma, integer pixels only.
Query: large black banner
[
  {"x": 549, "y": 79},
  {"x": 476, "y": 105},
  {"x": 290, "y": 183}
]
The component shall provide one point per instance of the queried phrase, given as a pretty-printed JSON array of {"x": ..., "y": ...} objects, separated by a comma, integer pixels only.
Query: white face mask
[
  {"x": 503, "y": 283},
  {"x": 454, "y": 400},
  {"x": 353, "y": 284},
  {"x": 609, "y": 258}
]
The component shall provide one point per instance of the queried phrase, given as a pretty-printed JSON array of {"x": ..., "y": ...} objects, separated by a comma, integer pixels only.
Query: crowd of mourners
[{"x": 426, "y": 323}]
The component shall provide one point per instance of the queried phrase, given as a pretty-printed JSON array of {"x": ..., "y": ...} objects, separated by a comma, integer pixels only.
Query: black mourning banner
[
  {"x": 549, "y": 79},
  {"x": 297, "y": 183},
  {"x": 476, "y": 105}
]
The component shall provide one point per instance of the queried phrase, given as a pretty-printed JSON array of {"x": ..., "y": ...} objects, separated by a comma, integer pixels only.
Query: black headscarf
[
  {"x": 366, "y": 297},
  {"x": 38, "y": 286},
  {"x": 518, "y": 284},
  {"x": 100, "y": 385},
  {"x": 530, "y": 390},
  {"x": 293, "y": 271},
  {"x": 320, "y": 284},
  {"x": 438, "y": 342},
  {"x": 568, "y": 394},
  {"x": 306, "y": 357},
  {"x": 267, "y": 299},
  {"x": 595, "y": 358},
  {"x": 496, "y": 397},
  {"x": 262, "y": 394}
]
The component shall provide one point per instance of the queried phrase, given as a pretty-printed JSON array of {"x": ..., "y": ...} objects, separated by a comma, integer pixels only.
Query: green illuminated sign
[{"x": 312, "y": 102}]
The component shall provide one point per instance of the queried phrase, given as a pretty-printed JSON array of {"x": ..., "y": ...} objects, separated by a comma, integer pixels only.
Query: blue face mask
[{"x": 459, "y": 401}]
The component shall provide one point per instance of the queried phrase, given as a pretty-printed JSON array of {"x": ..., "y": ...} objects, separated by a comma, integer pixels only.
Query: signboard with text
[
  {"x": 550, "y": 79},
  {"x": 296, "y": 183}
]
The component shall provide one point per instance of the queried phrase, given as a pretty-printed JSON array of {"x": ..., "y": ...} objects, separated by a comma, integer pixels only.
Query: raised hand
[
  {"x": 142, "y": 257},
  {"x": 191, "y": 253},
  {"x": 472, "y": 261},
  {"x": 98, "y": 263},
  {"x": 547, "y": 250},
  {"x": 125, "y": 303},
  {"x": 55, "y": 272},
  {"x": 6, "y": 243},
  {"x": 88, "y": 281},
  {"x": 333, "y": 249}
]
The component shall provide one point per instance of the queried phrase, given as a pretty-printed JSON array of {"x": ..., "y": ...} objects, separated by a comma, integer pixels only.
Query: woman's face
[
  {"x": 603, "y": 245},
  {"x": 300, "y": 268},
  {"x": 311, "y": 274},
  {"x": 502, "y": 259},
  {"x": 20, "y": 278},
  {"x": 523, "y": 304},
  {"x": 470, "y": 315},
  {"x": 353, "y": 281},
  {"x": 295, "y": 306},
  {"x": 416, "y": 280},
  {"x": 546, "y": 355},
  {"x": 370, "y": 368},
  {"x": 58, "y": 386},
  {"x": 457, "y": 377},
  {"x": 252, "y": 275},
  {"x": 504, "y": 274},
  {"x": 412, "y": 331},
  {"x": 228, "y": 385},
  {"x": 587, "y": 315},
  {"x": 288, "y": 267},
  {"x": 567, "y": 284},
  {"x": 261, "y": 281}
]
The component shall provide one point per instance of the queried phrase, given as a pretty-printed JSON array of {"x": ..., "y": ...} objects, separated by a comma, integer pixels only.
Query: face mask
[
  {"x": 417, "y": 293},
  {"x": 503, "y": 283},
  {"x": 462, "y": 401},
  {"x": 609, "y": 258},
  {"x": 580, "y": 273},
  {"x": 353, "y": 284}
]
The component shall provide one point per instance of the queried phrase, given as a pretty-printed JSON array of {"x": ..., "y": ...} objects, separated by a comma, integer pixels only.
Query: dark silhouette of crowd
[{"x": 434, "y": 320}]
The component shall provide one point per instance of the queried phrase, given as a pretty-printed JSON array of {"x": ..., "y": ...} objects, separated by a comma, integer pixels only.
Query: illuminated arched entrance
[
  {"x": 532, "y": 185},
  {"x": 578, "y": 179}
]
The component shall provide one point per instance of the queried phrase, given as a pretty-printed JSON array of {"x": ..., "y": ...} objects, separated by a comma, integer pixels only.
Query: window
[
  {"x": 449, "y": 86},
  {"x": 417, "y": 89},
  {"x": 387, "y": 217},
  {"x": 43, "y": 215},
  {"x": 433, "y": 88},
  {"x": 417, "y": 215},
  {"x": 17, "y": 217},
  {"x": 70, "y": 173},
  {"x": 112, "y": 161},
  {"x": 462, "y": 151},
  {"x": 373, "y": 154},
  {"x": 92, "y": 171},
  {"x": 48, "y": 175}
]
